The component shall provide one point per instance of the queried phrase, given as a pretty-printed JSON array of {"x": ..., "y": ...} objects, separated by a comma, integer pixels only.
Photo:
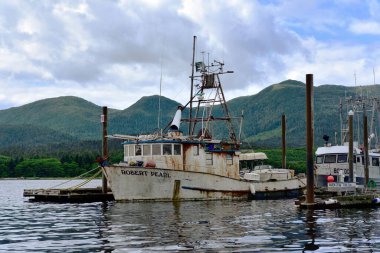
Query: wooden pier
[
  {"x": 348, "y": 201},
  {"x": 80, "y": 195}
]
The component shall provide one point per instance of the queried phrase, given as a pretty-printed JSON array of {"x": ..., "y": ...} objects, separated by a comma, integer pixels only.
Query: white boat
[
  {"x": 332, "y": 160},
  {"x": 269, "y": 182},
  {"x": 169, "y": 165}
]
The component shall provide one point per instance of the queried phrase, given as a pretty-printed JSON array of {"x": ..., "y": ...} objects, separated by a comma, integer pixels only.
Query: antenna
[
  {"x": 159, "y": 99},
  {"x": 374, "y": 76}
]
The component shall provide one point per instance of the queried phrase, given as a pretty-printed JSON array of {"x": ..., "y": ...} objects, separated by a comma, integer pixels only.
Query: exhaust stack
[{"x": 176, "y": 120}]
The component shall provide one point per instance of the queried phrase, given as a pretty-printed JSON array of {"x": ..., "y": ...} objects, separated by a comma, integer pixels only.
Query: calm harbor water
[{"x": 210, "y": 226}]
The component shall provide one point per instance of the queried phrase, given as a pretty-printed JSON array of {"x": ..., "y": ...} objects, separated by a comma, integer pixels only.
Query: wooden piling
[
  {"x": 283, "y": 125},
  {"x": 104, "y": 146},
  {"x": 351, "y": 145},
  {"x": 309, "y": 139},
  {"x": 365, "y": 142}
]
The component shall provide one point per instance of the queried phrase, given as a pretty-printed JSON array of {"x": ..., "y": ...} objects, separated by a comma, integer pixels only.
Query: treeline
[
  {"x": 67, "y": 165},
  {"x": 72, "y": 165},
  {"x": 295, "y": 158}
]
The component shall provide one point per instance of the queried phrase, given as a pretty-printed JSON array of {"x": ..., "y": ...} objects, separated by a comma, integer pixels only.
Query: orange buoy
[{"x": 330, "y": 179}]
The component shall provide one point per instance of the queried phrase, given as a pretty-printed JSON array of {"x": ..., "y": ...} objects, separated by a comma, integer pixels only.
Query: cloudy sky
[{"x": 113, "y": 52}]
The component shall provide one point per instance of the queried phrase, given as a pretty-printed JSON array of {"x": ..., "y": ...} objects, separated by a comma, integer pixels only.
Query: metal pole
[
  {"x": 283, "y": 124},
  {"x": 104, "y": 147},
  {"x": 192, "y": 84},
  {"x": 365, "y": 140},
  {"x": 351, "y": 145},
  {"x": 309, "y": 139}
]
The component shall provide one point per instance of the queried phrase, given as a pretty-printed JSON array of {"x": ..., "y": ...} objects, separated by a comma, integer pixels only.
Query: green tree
[
  {"x": 4, "y": 166},
  {"x": 42, "y": 167}
]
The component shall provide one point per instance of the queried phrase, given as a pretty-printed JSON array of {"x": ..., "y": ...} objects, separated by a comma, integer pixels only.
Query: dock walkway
[{"x": 69, "y": 195}]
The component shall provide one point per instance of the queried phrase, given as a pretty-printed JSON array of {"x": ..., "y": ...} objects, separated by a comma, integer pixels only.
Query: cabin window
[
  {"x": 342, "y": 158},
  {"x": 138, "y": 150},
  {"x": 319, "y": 159},
  {"x": 330, "y": 158},
  {"x": 358, "y": 159},
  {"x": 375, "y": 161},
  {"x": 196, "y": 150},
  {"x": 126, "y": 150},
  {"x": 229, "y": 159},
  {"x": 354, "y": 159},
  {"x": 363, "y": 160},
  {"x": 167, "y": 148},
  {"x": 146, "y": 150},
  {"x": 208, "y": 158},
  {"x": 131, "y": 150},
  {"x": 156, "y": 149},
  {"x": 177, "y": 149}
]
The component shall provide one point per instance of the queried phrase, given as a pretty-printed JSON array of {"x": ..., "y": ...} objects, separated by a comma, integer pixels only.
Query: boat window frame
[
  {"x": 126, "y": 150},
  {"x": 209, "y": 158},
  {"x": 342, "y": 161},
  {"x": 157, "y": 145},
  {"x": 146, "y": 146},
  {"x": 229, "y": 159},
  {"x": 175, "y": 152},
  {"x": 325, "y": 160},
  {"x": 131, "y": 151},
  {"x": 138, "y": 150},
  {"x": 317, "y": 161},
  {"x": 166, "y": 145},
  {"x": 196, "y": 150},
  {"x": 375, "y": 159}
]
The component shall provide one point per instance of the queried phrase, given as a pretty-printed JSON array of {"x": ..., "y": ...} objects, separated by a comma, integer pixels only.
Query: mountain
[
  {"x": 72, "y": 116},
  {"x": 71, "y": 122},
  {"x": 142, "y": 116}
]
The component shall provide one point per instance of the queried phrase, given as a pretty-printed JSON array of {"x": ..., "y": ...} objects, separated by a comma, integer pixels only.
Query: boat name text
[
  {"x": 145, "y": 173},
  {"x": 345, "y": 171}
]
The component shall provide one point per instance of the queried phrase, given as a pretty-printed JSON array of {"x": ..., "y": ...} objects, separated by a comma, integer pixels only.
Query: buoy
[
  {"x": 330, "y": 201},
  {"x": 376, "y": 200},
  {"x": 252, "y": 189},
  {"x": 330, "y": 179}
]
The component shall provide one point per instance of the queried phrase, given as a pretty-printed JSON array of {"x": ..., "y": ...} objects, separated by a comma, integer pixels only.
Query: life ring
[{"x": 371, "y": 184}]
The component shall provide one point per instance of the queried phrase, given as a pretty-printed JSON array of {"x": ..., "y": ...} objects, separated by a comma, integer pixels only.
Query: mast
[{"x": 192, "y": 84}]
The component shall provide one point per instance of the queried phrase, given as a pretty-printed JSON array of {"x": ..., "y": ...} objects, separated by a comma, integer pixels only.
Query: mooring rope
[
  {"x": 74, "y": 178},
  {"x": 84, "y": 182}
]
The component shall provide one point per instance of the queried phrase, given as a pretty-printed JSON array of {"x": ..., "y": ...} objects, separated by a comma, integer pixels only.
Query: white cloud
[
  {"x": 111, "y": 53},
  {"x": 365, "y": 27}
]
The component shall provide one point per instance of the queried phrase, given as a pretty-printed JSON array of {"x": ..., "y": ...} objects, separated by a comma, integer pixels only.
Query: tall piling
[
  {"x": 365, "y": 142},
  {"x": 283, "y": 126},
  {"x": 104, "y": 119},
  {"x": 309, "y": 139},
  {"x": 351, "y": 145}
]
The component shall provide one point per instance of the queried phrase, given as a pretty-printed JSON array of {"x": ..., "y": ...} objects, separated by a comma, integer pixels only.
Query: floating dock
[
  {"x": 347, "y": 201},
  {"x": 81, "y": 195}
]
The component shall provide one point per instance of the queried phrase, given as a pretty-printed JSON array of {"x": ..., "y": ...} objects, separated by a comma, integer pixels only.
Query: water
[{"x": 214, "y": 226}]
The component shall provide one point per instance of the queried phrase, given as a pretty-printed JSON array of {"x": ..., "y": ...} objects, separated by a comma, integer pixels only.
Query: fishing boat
[
  {"x": 331, "y": 161},
  {"x": 170, "y": 165}
]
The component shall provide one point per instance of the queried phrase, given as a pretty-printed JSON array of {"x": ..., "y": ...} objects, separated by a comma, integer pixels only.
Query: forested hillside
[{"x": 56, "y": 126}]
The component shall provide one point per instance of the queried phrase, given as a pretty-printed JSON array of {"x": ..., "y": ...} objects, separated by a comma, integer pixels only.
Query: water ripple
[{"x": 214, "y": 226}]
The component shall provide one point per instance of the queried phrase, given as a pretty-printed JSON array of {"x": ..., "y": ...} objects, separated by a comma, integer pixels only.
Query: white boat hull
[{"x": 138, "y": 183}]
